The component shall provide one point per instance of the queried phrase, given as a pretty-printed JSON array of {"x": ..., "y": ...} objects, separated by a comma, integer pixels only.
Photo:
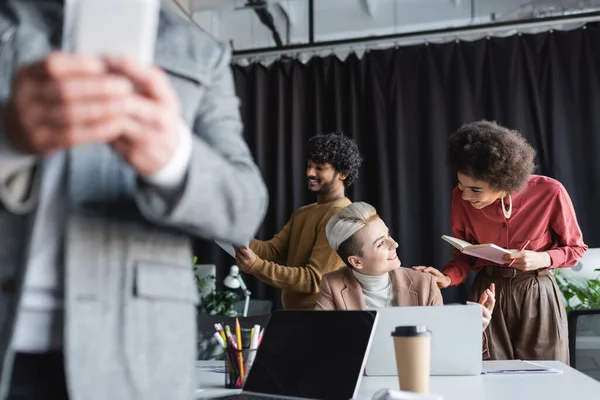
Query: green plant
[
  {"x": 217, "y": 302},
  {"x": 579, "y": 294}
]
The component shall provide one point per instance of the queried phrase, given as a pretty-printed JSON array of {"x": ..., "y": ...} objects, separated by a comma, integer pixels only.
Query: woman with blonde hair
[{"x": 374, "y": 277}]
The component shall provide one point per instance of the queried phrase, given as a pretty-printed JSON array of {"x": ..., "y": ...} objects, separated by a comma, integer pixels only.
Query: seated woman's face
[
  {"x": 477, "y": 193},
  {"x": 378, "y": 254}
]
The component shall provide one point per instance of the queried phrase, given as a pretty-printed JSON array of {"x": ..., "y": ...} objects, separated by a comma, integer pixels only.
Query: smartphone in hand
[{"x": 117, "y": 27}]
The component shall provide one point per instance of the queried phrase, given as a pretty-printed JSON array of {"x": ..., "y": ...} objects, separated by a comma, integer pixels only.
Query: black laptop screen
[{"x": 312, "y": 354}]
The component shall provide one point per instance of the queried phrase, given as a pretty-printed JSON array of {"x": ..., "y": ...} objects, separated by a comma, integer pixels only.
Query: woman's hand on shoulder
[{"x": 442, "y": 280}]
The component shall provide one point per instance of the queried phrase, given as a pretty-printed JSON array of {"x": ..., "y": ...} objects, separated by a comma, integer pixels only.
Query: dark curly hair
[
  {"x": 489, "y": 152},
  {"x": 337, "y": 150}
]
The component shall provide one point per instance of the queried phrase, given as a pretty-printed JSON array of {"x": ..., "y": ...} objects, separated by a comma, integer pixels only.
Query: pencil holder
[{"x": 237, "y": 366}]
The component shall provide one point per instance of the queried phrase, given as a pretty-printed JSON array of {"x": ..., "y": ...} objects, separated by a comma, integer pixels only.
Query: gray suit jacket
[{"x": 130, "y": 325}]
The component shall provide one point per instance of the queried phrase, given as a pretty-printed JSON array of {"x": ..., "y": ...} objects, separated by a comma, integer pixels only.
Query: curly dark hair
[
  {"x": 489, "y": 152},
  {"x": 338, "y": 150}
]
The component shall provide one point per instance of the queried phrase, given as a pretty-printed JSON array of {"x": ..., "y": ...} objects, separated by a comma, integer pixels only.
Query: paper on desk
[
  {"x": 516, "y": 367},
  {"x": 228, "y": 247}
]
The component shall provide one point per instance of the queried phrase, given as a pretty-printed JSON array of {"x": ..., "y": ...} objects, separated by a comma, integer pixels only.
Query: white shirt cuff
[{"x": 172, "y": 174}]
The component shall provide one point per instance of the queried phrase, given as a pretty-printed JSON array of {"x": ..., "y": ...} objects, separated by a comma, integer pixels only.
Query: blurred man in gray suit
[{"x": 106, "y": 168}]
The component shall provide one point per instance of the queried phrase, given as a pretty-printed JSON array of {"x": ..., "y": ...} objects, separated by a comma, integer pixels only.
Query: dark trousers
[
  {"x": 38, "y": 377},
  {"x": 529, "y": 321}
]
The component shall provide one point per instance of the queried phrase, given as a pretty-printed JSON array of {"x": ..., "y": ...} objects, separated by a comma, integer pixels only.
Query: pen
[
  {"x": 260, "y": 335},
  {"x": 521, "y": 249},
  {"x": 233, "y": 367},
  {"x": 238, "y": 333},
  {"x": 232, "y": 340},
  {"x": 219, "y": 339},
  {"x": 253, "y": 346},
  {"x": 219, "y": 329},
  {"x": 227, "y": 330},
  {"x": 230, "y": 351}
]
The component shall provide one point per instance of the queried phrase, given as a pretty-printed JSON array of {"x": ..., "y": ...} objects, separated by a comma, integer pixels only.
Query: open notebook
[{"x": 488, "y": 251}]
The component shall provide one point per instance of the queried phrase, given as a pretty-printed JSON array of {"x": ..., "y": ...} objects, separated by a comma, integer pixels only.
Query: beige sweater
[{"x": 302, "y": 242}]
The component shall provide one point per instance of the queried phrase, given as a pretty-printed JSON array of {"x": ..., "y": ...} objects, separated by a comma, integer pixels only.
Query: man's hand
[
  {"x": 527, "y": 260},
  {"x": 68, "y": 100},
  {"x": 442, "y": 280},
  {"x": 488, "y": 302},
  {"x": 151, "y": 135},
  {"x": 63, "y": 101},
  {"x": 245, "y": 258}
]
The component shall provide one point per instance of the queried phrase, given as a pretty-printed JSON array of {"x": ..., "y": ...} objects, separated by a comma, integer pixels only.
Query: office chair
[{"x": 584, "y": 341}]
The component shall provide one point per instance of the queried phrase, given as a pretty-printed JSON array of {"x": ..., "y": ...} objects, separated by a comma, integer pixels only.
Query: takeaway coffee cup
[{"x": 413, "y": 357}]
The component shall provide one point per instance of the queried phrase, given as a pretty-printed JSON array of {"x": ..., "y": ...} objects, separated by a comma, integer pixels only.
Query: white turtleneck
[{"x": 375, "y": 289}]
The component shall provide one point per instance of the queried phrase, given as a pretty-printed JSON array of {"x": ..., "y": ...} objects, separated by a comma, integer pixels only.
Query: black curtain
[{"x": 401, "y": 104}]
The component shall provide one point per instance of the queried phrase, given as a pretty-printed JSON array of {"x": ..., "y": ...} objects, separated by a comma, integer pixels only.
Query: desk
[{"x": 571, "y": 384}]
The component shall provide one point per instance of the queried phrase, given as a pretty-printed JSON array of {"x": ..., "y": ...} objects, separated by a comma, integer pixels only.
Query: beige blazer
[{"x": 340, "y": 290}]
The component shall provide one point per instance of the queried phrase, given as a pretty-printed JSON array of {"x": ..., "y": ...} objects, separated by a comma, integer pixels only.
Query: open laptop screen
[
  {"x": 312, "y": 354},
  {"x": 456, "y": 338}
]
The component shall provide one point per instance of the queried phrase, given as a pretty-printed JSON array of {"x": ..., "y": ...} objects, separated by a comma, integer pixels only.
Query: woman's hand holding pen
[
  {"x": 488, "y": 302},
  {"x": 527, "y": 260},
  {"x": 443, "y": 281}
]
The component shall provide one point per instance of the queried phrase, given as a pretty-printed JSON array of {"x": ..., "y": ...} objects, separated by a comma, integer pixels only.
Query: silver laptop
[
  {"x": 311, "y": 355},
  {"x": 456, "y": 338}
]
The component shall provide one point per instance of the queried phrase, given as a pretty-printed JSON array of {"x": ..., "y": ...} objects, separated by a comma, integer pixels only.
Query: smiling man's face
[{"x": 323, "y": 178}]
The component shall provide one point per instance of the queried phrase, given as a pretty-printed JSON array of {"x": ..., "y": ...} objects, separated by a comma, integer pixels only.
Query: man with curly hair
[
  {"x": 333, "y": 161},
  {"x": 499, "y": 200}
]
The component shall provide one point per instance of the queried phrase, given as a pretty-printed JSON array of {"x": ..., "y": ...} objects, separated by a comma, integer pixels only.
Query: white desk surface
[{"x": 571, "y": 384}]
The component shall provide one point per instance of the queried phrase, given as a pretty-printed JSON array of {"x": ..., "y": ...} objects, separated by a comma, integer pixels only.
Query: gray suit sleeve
[{"x": 223, "y": 196}]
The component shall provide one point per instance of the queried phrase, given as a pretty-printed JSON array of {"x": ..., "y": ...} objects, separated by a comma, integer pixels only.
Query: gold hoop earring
[{"x": 508, "y": 213}]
